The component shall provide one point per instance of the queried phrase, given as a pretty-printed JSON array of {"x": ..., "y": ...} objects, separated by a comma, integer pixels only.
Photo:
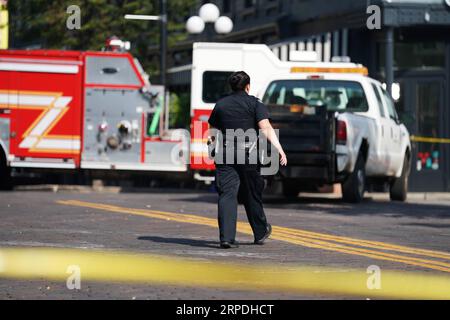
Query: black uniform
[{"x": 239, "y": 111}]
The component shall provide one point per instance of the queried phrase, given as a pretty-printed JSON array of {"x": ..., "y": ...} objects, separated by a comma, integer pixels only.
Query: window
[
  {"x": 226, "y": 6},
  {"x": 249, "y": 3},
  {"x": 110, "y": 70},
  {"x": 215, "y": 85},
  {"x": 380, "y": 102},
  {"x": 415, "y": 55},
  {"x": 390, "y": 106},
  {"x": 334, "y": 95}
]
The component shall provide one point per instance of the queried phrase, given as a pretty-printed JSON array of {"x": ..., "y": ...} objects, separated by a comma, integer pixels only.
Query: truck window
[
  {"x": 334, "y": 95},
  {"x": 380, "y": 102},
  {"x": 103, "y": 70},
  {"x": 215, "y": 85},
  {"x": 390, "y": 106}
]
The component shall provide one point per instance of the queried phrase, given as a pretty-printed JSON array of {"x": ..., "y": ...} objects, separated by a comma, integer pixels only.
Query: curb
[
  {"x": 414, "y": 196},
  {"x": 68, "y": 188}
]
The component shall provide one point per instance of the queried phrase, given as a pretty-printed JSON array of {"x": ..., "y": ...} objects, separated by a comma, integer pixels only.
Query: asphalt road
[{"x": 373, "y": 232}]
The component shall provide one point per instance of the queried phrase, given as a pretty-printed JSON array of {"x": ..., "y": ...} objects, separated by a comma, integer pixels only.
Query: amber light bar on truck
[{"x": 356, "y": 70}]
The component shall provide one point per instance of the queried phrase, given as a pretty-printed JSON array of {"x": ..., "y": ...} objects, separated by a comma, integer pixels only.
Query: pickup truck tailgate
[
  {"x": 308, "y": 139},
  {"x": 301, "y": 132}
]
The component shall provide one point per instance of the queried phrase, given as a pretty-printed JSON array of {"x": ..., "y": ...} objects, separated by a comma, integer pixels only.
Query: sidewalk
[{"x": 412, "y": 196}]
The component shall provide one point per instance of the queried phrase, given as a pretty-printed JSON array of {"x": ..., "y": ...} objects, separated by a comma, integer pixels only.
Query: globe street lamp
[
  {"x": 209, "y": 14},
  {"x": 195, "y": 25},
  {"x": 223, "y": 25}
]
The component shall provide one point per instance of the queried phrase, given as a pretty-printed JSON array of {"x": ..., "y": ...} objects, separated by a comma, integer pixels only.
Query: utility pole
[
  {"x": 162, "y": 18},
  {"x": 389, "y": 59},
  {"x": 163, "y": 42}
]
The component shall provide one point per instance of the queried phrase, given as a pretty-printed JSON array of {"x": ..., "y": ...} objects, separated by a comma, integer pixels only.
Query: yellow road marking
[
  {"x": 429, "y": 264},
  {"x": 52, "y": 264},
  {"x": 367, "y": 243},
  {"x": 299, "y": 237}
]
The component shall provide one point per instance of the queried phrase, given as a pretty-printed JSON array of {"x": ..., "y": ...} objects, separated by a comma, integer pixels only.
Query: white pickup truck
[{"x": 338, "y": 126}]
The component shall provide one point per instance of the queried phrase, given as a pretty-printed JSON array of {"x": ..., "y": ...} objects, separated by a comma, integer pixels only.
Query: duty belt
[{"x": 248, "y": 146}]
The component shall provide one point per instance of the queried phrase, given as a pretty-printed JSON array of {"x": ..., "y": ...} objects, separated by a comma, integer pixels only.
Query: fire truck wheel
[
  {"x": 354, "y": 186},
  {"x": 5, "y": 175}
]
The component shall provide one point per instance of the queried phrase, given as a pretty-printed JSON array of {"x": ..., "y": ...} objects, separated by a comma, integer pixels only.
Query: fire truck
[{"x": 82, "y": 110}]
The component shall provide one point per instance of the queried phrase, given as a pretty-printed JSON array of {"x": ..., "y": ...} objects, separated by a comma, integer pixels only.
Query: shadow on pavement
[
  {"x": 368, "y": 207},
  {"x": 428, "y": 225},
  {"x": 337, "y": 207},
  {"x": 187, "y": 242}
]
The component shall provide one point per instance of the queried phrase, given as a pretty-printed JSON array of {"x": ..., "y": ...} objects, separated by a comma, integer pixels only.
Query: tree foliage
[
  {"x": 179, "y": 110},
  {"x": 42, "y": 23}
]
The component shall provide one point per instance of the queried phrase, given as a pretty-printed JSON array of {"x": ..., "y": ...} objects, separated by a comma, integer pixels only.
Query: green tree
[
  {"x": 179, "y": 110},
  {"x": 42, "y": 23}
]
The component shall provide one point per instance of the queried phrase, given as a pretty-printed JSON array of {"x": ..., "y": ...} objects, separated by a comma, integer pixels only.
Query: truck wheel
[
  {"x": 290, "y": 190},
  {"x": 354, "y": 186},
  {"x": 399, "y": 186},
  {"x": 5, "y": 176}
]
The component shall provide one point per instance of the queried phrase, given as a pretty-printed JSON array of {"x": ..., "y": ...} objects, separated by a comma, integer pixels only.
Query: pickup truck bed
[{"x": 309, "y": 143}]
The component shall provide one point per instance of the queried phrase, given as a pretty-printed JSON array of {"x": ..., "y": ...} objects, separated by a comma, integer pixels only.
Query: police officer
[{"x": 240, "y": 112}]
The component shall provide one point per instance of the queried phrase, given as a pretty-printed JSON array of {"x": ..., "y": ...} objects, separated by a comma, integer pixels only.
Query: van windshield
[{"x": 297, "y": 95}]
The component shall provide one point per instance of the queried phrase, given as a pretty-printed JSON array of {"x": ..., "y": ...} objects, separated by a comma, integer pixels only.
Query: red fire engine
[{"x": 88, "y": 110}]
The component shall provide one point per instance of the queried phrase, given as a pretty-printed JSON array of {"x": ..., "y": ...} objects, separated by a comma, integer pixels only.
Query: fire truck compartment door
[
  {"x": 167, "y": 154},
  {"x": 113, "y": 126}
]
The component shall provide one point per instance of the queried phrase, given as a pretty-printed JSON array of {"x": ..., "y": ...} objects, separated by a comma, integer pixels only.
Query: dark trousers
[{"x": 246, "y": 182}]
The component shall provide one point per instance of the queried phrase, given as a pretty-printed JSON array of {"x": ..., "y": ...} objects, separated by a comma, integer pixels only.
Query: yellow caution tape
[
  {"x": 429, "y": 140},
  {"x": 54, "y": 264}
]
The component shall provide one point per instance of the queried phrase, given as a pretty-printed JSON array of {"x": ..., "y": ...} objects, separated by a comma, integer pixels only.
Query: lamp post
[
  {"x": 162, "y": 18},
  {"x": 209, "y": 14}
]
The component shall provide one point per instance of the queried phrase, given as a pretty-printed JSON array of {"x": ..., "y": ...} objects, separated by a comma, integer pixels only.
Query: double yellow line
[{"x": 428, "y": 259}]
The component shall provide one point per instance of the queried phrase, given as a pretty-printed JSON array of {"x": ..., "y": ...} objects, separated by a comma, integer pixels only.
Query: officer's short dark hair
[{"x": 238, "y": 81}]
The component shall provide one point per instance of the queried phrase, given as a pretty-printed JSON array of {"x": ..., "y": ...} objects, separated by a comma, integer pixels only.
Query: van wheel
[
  {"x": 290, "y": 190},
  {"x": 399, "y": 186},
  {"x": 354, "y": 187}
]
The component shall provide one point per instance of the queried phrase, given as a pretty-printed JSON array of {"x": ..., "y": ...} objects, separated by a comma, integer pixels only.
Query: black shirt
[{"x": 238, "y": 111}]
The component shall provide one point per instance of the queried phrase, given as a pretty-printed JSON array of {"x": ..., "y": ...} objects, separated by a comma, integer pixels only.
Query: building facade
[{"x": 410, "y": 49}]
